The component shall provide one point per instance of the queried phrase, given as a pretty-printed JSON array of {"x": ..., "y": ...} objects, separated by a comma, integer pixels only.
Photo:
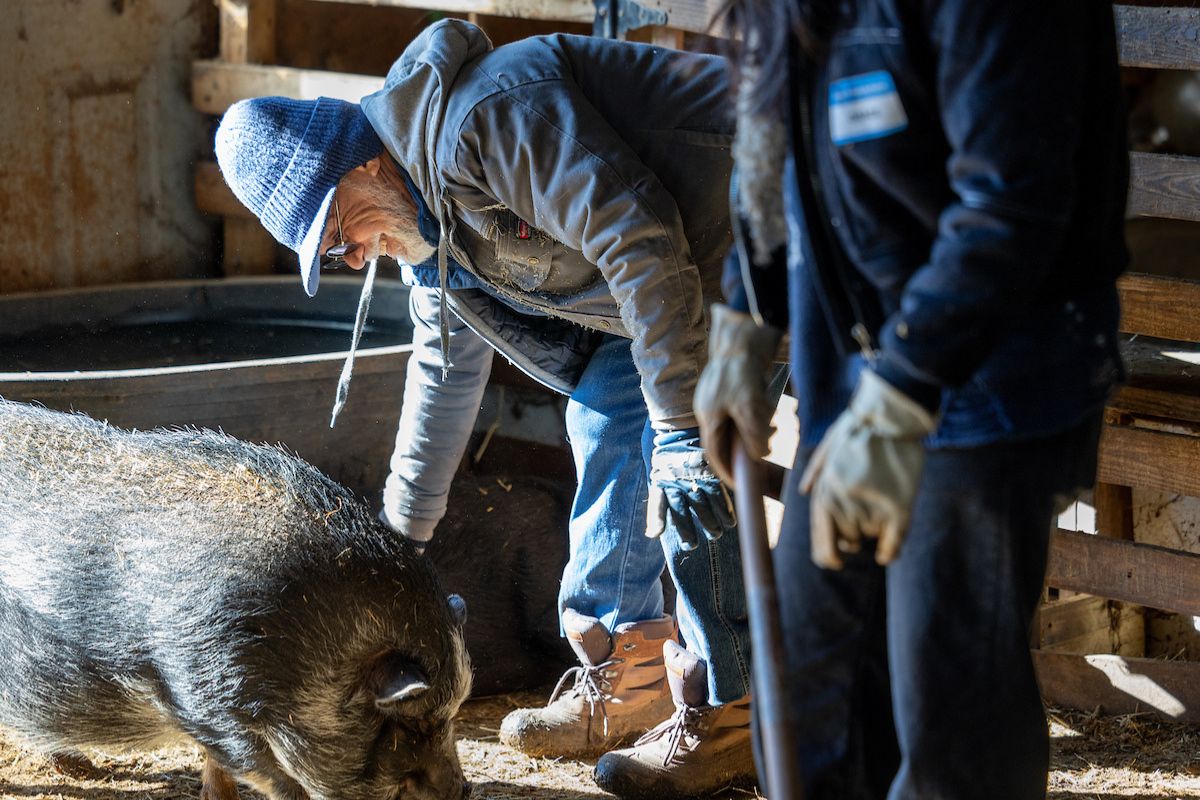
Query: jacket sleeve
[
  {"x": 546, "y": 153},
  {"x": 759, "y": 289},
  {"x": 438, "y": 416},
  {"x": 1010, "y": 76}
]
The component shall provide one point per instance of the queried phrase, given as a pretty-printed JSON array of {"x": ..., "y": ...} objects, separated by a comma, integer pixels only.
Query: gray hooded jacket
[{"x": 584, "y": 184}]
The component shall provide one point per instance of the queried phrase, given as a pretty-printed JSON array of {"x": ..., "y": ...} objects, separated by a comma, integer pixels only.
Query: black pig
[
  {"x": 184, "y": 584},
  {"x": 502, "y": 546}
]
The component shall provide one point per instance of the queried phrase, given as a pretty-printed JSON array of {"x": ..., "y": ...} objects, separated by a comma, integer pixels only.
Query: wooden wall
[{"x": 98, "y": 142}]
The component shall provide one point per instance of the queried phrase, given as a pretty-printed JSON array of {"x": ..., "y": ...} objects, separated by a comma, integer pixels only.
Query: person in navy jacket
[{"x": 931, "y": 198}]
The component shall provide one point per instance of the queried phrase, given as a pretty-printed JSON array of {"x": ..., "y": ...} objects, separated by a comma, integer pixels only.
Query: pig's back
[
  {"x": 86, "y": 505},
  {"x": 145, "y": 565}
]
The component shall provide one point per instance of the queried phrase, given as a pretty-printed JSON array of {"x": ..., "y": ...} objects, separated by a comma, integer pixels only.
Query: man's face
[{"x": 377, "y": 214}]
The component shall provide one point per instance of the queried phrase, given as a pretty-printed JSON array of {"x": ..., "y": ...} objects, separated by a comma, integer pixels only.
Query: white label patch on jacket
[{"x": 864, "y": 107}]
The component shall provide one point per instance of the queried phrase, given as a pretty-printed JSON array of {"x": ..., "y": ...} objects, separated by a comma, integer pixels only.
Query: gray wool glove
[
  {"x": 863, "y": 475},
  {"x": 732, "y": 392}
]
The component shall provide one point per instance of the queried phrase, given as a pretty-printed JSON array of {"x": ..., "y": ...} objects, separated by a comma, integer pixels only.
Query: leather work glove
[
  {"x": 732, "y": 392},
  {"x": 863, "y": 475},
  {"x": 683, "y": 487}
]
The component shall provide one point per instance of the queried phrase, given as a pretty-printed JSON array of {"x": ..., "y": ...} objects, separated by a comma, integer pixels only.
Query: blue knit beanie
[{"x": 283, "y": 158}]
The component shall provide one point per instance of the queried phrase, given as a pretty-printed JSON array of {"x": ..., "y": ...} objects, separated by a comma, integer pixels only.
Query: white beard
[
  {"x": 406, "y": 247},
  {"x": 403, "y": 242},
  {"x": 414, "y": 248}
]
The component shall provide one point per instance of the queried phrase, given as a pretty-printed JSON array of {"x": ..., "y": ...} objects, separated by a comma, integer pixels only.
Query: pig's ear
[
  {"x": 398, "y": 680},
  {"x": 458, "y": 607}
]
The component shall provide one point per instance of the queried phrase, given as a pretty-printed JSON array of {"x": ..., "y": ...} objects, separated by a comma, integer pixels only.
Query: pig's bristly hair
[{"x": 142, "y": 563}]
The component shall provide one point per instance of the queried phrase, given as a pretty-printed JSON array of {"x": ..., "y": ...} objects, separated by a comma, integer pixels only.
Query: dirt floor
[{"x": 1094, "y": 758}]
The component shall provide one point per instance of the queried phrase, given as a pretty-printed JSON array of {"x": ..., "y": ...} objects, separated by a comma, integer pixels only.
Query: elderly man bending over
[{"x": 562, "y": 200}]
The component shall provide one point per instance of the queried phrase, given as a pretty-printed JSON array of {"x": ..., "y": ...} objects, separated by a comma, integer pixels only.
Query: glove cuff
[
  {"x": 416, "y": 529},
  {"x": 889, "y": 411},
  {"x": 735, "y": 333}
]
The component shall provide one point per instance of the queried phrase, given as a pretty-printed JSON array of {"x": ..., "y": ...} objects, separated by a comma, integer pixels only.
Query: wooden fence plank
[
  {"x": 1120, "y": 685},
  {"x": 1162, "y": 307},
  {"x": 1084, "y": 624},
  {"x": 1164, "y": 38},
  {"x": 216, "y": 85},
  {"x": 561, "y": 10},
  {"x": 694, "y": 16},
  {"x": 1155, "y": 402},
  {"x": 1166, "y": 186},
  {"x": 1157, "y": 577},
  {"x": 1114, "y": 511},
  {"x": 247, "y": 31},
  {"x": 1167, "y": 462},
  {"x": 1149, "y": 37}
]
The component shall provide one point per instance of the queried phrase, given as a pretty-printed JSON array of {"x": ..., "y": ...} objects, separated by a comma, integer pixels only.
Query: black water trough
[{"x": 253, "y": 357}]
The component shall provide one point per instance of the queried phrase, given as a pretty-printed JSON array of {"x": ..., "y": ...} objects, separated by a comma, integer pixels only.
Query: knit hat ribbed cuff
[
  {"x": 283, "y": 158},
  {"x": 309, "y": 250}
]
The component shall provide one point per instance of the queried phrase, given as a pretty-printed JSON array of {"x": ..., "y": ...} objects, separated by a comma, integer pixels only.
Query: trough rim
[{"x": 185, "y": 285}]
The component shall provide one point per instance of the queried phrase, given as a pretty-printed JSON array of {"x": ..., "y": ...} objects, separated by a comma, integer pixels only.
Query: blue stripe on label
[
  {"x": 858, "y": 87},
  {"x": 863, "y": 107}
]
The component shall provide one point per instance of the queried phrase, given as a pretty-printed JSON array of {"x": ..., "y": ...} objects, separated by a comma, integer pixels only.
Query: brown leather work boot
[
  {"x": 700, "y": 750},
  {"x": 619, "y": 691}
]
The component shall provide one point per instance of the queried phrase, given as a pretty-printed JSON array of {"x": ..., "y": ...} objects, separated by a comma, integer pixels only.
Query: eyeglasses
[{"x": 335, "y": 257}]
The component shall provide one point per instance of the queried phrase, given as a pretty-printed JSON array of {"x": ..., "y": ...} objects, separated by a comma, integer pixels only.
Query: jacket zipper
[{"x": 832, "y": 266}]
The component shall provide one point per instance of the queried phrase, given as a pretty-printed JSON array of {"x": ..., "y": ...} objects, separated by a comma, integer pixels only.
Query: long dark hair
[{"x": 767, "y": 30}]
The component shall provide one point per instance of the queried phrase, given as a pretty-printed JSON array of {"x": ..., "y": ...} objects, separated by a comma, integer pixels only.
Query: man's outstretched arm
[{"x": 436, "y": 419}]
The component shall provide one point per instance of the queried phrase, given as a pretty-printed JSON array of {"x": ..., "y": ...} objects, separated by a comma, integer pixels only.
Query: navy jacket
[{"x": 956, "y": 187}]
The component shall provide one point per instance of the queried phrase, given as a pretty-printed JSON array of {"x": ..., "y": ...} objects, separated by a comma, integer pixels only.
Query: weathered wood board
[
  {"x": 1135, "y": 573},
  {"x": 1169, "y": 462},
  {"x": 1119, "y": 685},
  {"x": 1162, "y": 185},
  {"x": 1162, "y": 38},
  {"x": 217, "y": 85},
  {"x": 1085, "y": 624}
]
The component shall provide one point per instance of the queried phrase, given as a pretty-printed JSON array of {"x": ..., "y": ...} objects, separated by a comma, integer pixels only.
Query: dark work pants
[{"x": 915, "y": 682}]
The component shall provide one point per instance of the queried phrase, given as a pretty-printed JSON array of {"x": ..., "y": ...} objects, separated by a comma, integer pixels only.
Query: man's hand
[
  {"x": 683, "y": 487},
  {"x": 733, "y": 387},
  {"x": 417, "y": 530},
  {"x": 863, "y": 476}
]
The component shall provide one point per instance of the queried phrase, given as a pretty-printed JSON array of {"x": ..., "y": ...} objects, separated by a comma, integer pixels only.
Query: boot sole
[
  {"x": 644, "y": 787},
  {"x": 549, "y": 751}
]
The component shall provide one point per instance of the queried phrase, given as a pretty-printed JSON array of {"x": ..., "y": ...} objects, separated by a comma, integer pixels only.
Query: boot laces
[
  {"x": 686, "y": 721},
  {"x": 592, "y": 684}
]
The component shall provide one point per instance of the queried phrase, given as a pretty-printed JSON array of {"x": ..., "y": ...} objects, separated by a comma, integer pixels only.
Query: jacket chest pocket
[
  {"x": 523, "y": 253},
  {"x": 876, "y": 146}
]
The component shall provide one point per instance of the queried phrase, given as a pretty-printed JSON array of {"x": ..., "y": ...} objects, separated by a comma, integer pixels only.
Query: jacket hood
[{"x": 407, "y": 112}]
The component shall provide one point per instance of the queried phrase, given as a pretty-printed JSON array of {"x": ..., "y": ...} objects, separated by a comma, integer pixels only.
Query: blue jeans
[
  {"x": 915, "y": 681},
  {"x": 613, "y": 572}
]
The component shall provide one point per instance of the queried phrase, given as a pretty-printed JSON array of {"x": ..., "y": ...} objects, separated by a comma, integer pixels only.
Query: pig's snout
[{"x": 436, "y": 784}]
